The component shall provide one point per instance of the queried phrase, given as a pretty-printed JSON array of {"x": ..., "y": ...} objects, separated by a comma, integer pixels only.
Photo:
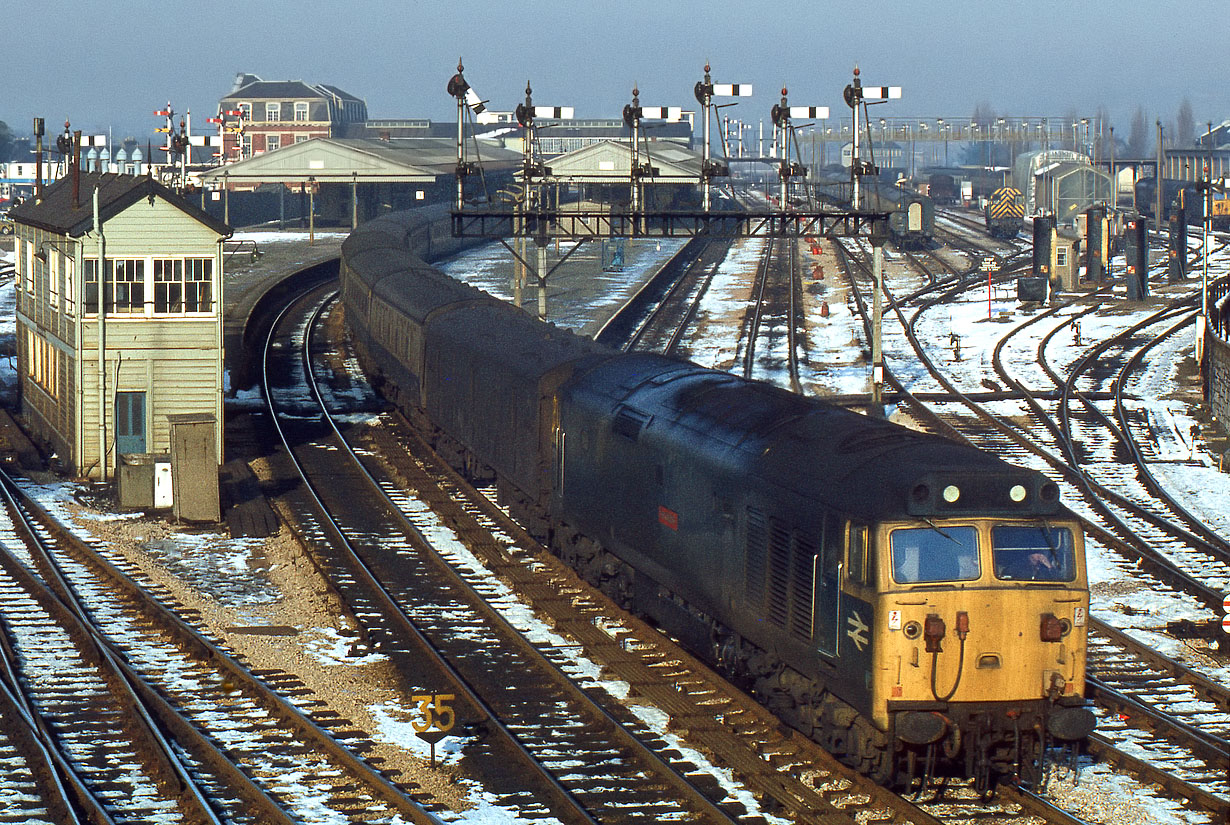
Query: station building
[
  {"x": 154, "y": 355},
  {"x": 279, "y": 113}
]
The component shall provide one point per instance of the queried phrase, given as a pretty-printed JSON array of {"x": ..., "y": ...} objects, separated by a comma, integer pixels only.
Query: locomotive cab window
[
  {"x": 934, "y": 554},
  {"x": 1033, "y": 552},
  {"x": 857, "y": 554}
]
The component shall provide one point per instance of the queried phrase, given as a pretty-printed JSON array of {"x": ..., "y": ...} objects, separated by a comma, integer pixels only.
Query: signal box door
[{"x": 130, "y": 430}]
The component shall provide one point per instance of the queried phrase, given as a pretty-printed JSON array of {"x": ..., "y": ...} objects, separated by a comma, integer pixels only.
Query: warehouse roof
[{"x": 67, "y": 206}]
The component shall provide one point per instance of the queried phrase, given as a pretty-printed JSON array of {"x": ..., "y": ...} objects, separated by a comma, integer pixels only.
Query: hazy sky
[{"x": 112, "y": 64}]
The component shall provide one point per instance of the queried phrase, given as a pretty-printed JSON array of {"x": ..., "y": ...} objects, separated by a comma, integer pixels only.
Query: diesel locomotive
[
  {"x": 916, "y": 605},
  {"x": 1005, "y": 213}
]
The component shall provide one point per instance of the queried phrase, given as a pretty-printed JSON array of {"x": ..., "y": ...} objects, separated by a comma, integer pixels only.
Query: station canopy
[
  {"x": 346, "y": 160},
  {"x": 611, "y": 162}
]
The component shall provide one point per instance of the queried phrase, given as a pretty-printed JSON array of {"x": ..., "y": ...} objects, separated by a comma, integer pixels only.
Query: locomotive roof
[{"x": 861, "y": 465}]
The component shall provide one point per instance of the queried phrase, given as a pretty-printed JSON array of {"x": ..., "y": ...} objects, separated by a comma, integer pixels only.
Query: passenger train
[{"x": 915, "y": 605}]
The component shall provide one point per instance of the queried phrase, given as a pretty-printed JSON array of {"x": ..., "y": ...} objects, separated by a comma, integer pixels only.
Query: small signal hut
[{"x": 155, "y": 350}]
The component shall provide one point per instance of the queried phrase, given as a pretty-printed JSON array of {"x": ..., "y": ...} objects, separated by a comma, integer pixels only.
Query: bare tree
[
  {"x": 1185, "y": 125},
  {"x": 1138, "y": 136}
]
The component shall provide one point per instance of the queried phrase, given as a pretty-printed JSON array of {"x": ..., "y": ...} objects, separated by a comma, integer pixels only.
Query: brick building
[{"x": 277, "y": 113}]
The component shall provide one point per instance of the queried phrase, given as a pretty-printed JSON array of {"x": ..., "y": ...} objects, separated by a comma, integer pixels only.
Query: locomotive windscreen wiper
[
  {"x": 1050, "y": 543},
  {"x": 937, "y": 529}
]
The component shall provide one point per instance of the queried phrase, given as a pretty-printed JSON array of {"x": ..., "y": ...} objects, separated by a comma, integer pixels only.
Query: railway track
[
  {"x": 1181, "y": 756},
  {"x": 519, "y": 711},
  {"x": 242, "y": 752},
  {"x": 706, "y": 716}
]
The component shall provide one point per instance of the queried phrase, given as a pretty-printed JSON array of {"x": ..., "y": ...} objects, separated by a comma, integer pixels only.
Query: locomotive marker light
[{"x": 705, "y": 91}]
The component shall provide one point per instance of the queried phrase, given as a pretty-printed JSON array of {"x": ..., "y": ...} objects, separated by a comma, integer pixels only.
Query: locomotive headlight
[
  {"x": 951, "y": 493},
  {"x": 1017, "y": 493}
]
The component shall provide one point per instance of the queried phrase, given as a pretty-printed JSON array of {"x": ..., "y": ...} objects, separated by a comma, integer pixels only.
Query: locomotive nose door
[{"x": 914, "y": 217}]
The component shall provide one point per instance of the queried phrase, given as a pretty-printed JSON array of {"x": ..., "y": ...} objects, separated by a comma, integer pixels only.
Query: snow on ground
[
  {"x": 1188, "y": 468},
  {"x": 264, "y": 236}
]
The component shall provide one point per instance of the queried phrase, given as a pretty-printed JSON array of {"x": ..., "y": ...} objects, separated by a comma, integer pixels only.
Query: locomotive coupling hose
[{"x": 956, "y": 682}]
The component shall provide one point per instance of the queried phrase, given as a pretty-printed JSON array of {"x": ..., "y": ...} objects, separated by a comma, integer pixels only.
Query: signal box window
[
  {"x": 182, "y": 285},
  {"x": 125, "y": 285},
  {"x": 1033, "y": 552},
  {"x": 934, "y": 554}
]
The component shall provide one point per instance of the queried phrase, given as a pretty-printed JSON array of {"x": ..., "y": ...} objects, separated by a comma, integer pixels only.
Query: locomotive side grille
[
  {"x": 803, "y": 558},
  {"x": 779, "y": 573},
  {"x": 757, "y": 541}
]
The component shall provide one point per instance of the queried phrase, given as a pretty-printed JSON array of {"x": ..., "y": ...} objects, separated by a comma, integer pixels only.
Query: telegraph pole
[{"x": 1161, "y": 159}]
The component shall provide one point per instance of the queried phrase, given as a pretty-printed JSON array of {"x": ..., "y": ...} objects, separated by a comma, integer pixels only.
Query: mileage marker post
[{"x": 990, "y": 267}]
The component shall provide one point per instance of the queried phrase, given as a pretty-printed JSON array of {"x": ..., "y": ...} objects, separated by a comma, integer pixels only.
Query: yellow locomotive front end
[{"x": 984, "y": 624}]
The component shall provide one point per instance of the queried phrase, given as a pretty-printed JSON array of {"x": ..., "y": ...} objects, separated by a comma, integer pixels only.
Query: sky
[{"x": 109, "y": 66}]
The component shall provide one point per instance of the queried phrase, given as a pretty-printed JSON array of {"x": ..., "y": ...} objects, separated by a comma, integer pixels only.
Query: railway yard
[{"x": 404, "y": 649}]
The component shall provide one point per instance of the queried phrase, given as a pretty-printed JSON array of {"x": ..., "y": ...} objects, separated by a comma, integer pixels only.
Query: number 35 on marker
[{"x": 436, "y": 713}]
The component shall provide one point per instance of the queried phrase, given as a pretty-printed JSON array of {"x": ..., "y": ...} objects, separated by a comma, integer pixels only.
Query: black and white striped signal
[
  {"x": 881, "y": 92},
  {"x": 527, "y": 114},
  {"x": 705, "y": 90}
]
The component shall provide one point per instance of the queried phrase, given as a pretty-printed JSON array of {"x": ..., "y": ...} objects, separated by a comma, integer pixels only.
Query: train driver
[{"x": 1024, "y": 564}]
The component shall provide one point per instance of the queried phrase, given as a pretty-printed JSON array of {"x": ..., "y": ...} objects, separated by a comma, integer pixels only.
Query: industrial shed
[
  {"x": 156, "y": 349},
  {"x": 1060, "y": 182}
]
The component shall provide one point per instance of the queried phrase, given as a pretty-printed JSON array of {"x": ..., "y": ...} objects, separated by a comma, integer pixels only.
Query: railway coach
[{"x": 915, "y": 605}]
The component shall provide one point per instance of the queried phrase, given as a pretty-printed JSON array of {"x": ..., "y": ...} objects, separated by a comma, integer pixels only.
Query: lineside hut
[{"x": 161, "y": 328}]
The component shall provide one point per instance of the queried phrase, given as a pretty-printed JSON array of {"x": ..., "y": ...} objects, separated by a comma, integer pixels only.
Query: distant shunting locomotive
[{"x": 1005, "y": 213}]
